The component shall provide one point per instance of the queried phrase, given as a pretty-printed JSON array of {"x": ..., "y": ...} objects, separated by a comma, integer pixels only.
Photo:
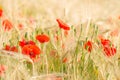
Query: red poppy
[
  {"x": 105, "y": 42},
  {"x": 1, "y": 12},
  {"x": 23, "y": 42},
  {"x": 109, "y": 51},
  {"x": 7, "y": 24},
  {"x": 11, "y": 48},
  {"x": 88, "y": 46},
  {"x": 65, "y": 60},
  {"x": 62, "y": 24},
  {"x": 108, "y": 47},
  {"x": 31, "y": 50},
  {"x": 42, "y": 38}
]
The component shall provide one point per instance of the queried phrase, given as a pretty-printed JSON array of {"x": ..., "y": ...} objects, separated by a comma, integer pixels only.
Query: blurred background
[{"x": 72, "y": 11}]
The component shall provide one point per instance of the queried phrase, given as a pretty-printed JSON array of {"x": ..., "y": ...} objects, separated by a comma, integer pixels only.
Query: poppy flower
[
  {"x": 31, "y": 50},
  {"x": 7, "y": 24},
  {"x": 88, "y": 46},
  {"x": 11, "y": 48},
  {"x": 62, "y": 24},
  {"x": 108, "y": 47},
  {"x": 23, "y": 42},
  {"x": 2, "y": 70},
  {"x": 1, "y": 12},
  {"x": 109, "y": 51},
  {"x": 105, "y": 42},
  {"x": 65, "y": 60},
  {"x": 42, "y": 38}
]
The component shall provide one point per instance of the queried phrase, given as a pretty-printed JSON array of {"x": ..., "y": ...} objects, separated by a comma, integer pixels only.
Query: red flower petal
[
  {"x": 62, "y": 24},
  {"x": 23, "y": 42},
  {"x": 14, "y": 49},
  {"x": 105, "y": 42},
  {"x": 1, "y": 12},
  {"x": 42, "y": 38},
  {"x": 31, "y": 50},
  {"x": 110, "y": 51},
  {"x": 113, "y": 50},
  {"x": 7, "y": 47},
  {"x": 88, "y": 46},
  {"x": 7, "y": 24},
  {"x": 107, "y": 51},
  {"x": 11, "y": 48},
  {"x": 65, "y": 60}
]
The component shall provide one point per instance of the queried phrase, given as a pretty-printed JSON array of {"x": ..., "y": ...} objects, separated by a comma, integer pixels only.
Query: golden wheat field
[{"x": 59, "y": 39}]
